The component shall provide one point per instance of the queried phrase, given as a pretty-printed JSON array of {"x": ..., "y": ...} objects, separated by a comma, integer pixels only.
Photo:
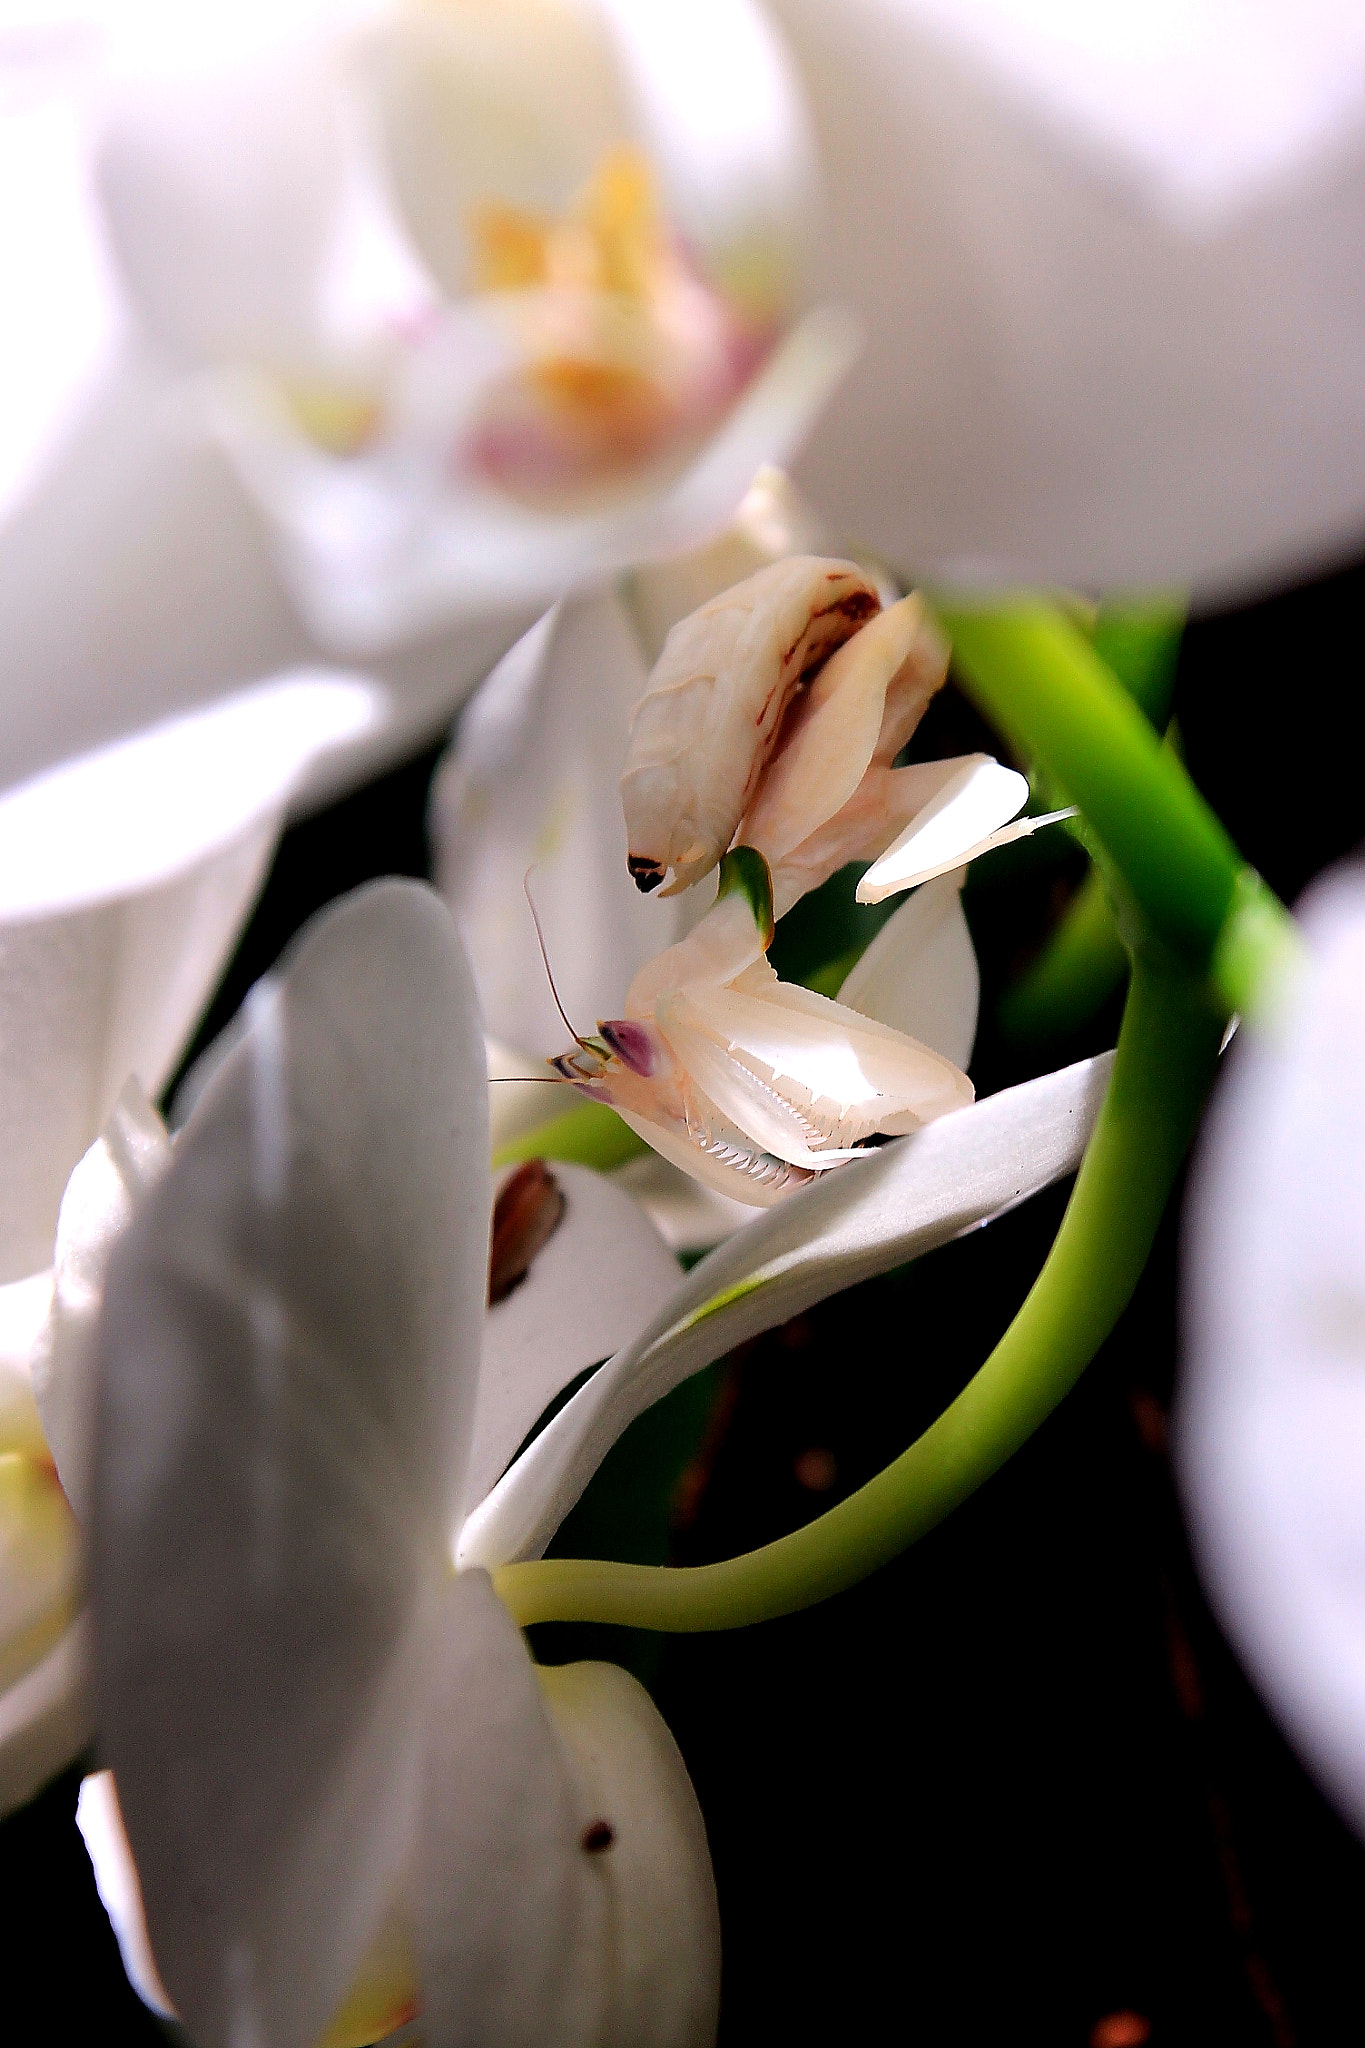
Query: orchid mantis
[{"x": 765, "y": 746}]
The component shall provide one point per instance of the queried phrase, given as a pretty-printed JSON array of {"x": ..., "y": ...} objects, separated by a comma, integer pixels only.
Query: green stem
[
  {"x": 1040, "y": 681},
  {"x": 1081, "y": 965},
  {"x": 1166, "y": 1052}
]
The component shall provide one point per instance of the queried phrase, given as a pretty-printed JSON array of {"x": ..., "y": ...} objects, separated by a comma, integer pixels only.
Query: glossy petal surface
[
  {"x": 920, "y": 975},
  {"x": 124, "y": 876},
  {"x": 304, "y": 1285}
]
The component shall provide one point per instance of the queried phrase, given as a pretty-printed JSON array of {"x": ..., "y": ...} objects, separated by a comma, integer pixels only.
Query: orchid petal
[
  {"x": 512, "y": 1931},
  {"x": 24, "y": 1310},
  {"x": 1271, "y": 1420},
  {"x": 874, "y": 1214},
  {"x": 126, "y": 1159},
  {"x": 656, "y": 1869},
  {"x": 563, "y": 1889},
  {"x": 124, "y": 877},
  {"x": 955, "y": 824},
  {"x": 45, "y": 1718},
  {"x": 305, "y": 1284},
  {"x": 220, "y": 164},
  {"x": 920, "y": 976},
  {"x": 116, "y": 1880},
  {"x": 689, "y": 1216},
  {"x": 530, "y": 785},
  {"x": 1039, "y": 211},
  {"x": 604, "y": 1273}
]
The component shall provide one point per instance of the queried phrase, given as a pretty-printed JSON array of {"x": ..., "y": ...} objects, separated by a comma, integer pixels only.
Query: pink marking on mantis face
[{"x": 634, "y": 1044}]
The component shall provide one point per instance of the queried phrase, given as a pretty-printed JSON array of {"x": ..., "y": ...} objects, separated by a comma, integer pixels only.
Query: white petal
[
  {"x": 604, "y": 1274},
  {"x": 531, "y": 783},
  {"x": 45, "y": 1718},
  {"x": 687, "y": 1215},
  {"x": 1271, "y": 1428},
  {"x": 24, "y": 1307},
  {"x": 872, "y": 1215},
  {"x": 1106, "y": 261},
  {"x": 124, "y": 878},
  {"x": 527, "y": 1934},
  {"x": 116, "y": 1880},
  {"x": 287, "y": 1361},
  {"x": 513, "y": 1930},
  {"x": 919, "y": 975},
  {"x": 665, "y": 1947},
  {"x": 65, "y": 312},
  {"x": 956, "y": 824},
  {"x": 221, "y": 175},
  {"x": 130, "y": 1154}
]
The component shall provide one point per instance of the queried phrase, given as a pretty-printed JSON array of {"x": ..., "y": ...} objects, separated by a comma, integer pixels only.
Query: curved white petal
[
  {"x": 531, "y": 784},
  {"x": 513, "y": 1932},
  {"x": 872, "y": 1215},
  {"x": 976, "y": 797},
  {"x": 287, "y": 1360},
  {"x": 920, "y": 975},
  {"x": 562, "y": 1889},
  {"x": 604, "y": 1274},
  {"x": 116, "y": 1880},
  {"x": 689, "y": 1216},
  {"x": 1271, "y": 1424},
  {"x": 125, "y": 875},
  {"x": 130, "y": 1154},
  {"x": 221, "y": 171},
  {"x": 1107, "y": 262},
  {"x": 656, "y": 1870},
  {"x": 45, "y": 1718}
]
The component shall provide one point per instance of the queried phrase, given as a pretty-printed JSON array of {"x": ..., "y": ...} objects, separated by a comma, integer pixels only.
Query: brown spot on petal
[
  {"x": 526, "y": 1216},
  {"x": 816, "y": 1469},
  {"x": 597, "y": 1836},
  {"x": 1121, "y": 2030}
]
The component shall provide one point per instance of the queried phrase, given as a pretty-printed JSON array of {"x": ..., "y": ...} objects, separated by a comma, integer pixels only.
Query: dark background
[{"x": 1014, "y": 1787}]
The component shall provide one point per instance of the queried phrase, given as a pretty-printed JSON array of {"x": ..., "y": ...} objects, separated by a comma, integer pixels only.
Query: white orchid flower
[
  {"x": 1271, "y": 1421},
  {"x": 125, "y": 876},
  {"x": 334, "y": 1762},
  {"x": 358, "y": 276},
  {"x": 1105, "y": 258}
]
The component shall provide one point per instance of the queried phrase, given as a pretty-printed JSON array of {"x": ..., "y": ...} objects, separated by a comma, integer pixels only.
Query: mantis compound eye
[{"x": 633, "y": 1044}]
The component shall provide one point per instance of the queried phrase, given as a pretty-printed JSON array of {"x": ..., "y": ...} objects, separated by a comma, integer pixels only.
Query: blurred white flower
[
  {"x": 1109, "y": 265},
  {"x": 125, "y": 877},
  {"x": 1271, "y": 1421},
  {"x": 371, "y": 329}
]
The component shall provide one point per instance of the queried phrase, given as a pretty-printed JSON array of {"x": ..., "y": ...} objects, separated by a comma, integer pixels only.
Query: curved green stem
[
  {"x": 1081, "y": 965},
  {"x": 1041, "y": 682},
  {"x": 1166, "y": 1052}
]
